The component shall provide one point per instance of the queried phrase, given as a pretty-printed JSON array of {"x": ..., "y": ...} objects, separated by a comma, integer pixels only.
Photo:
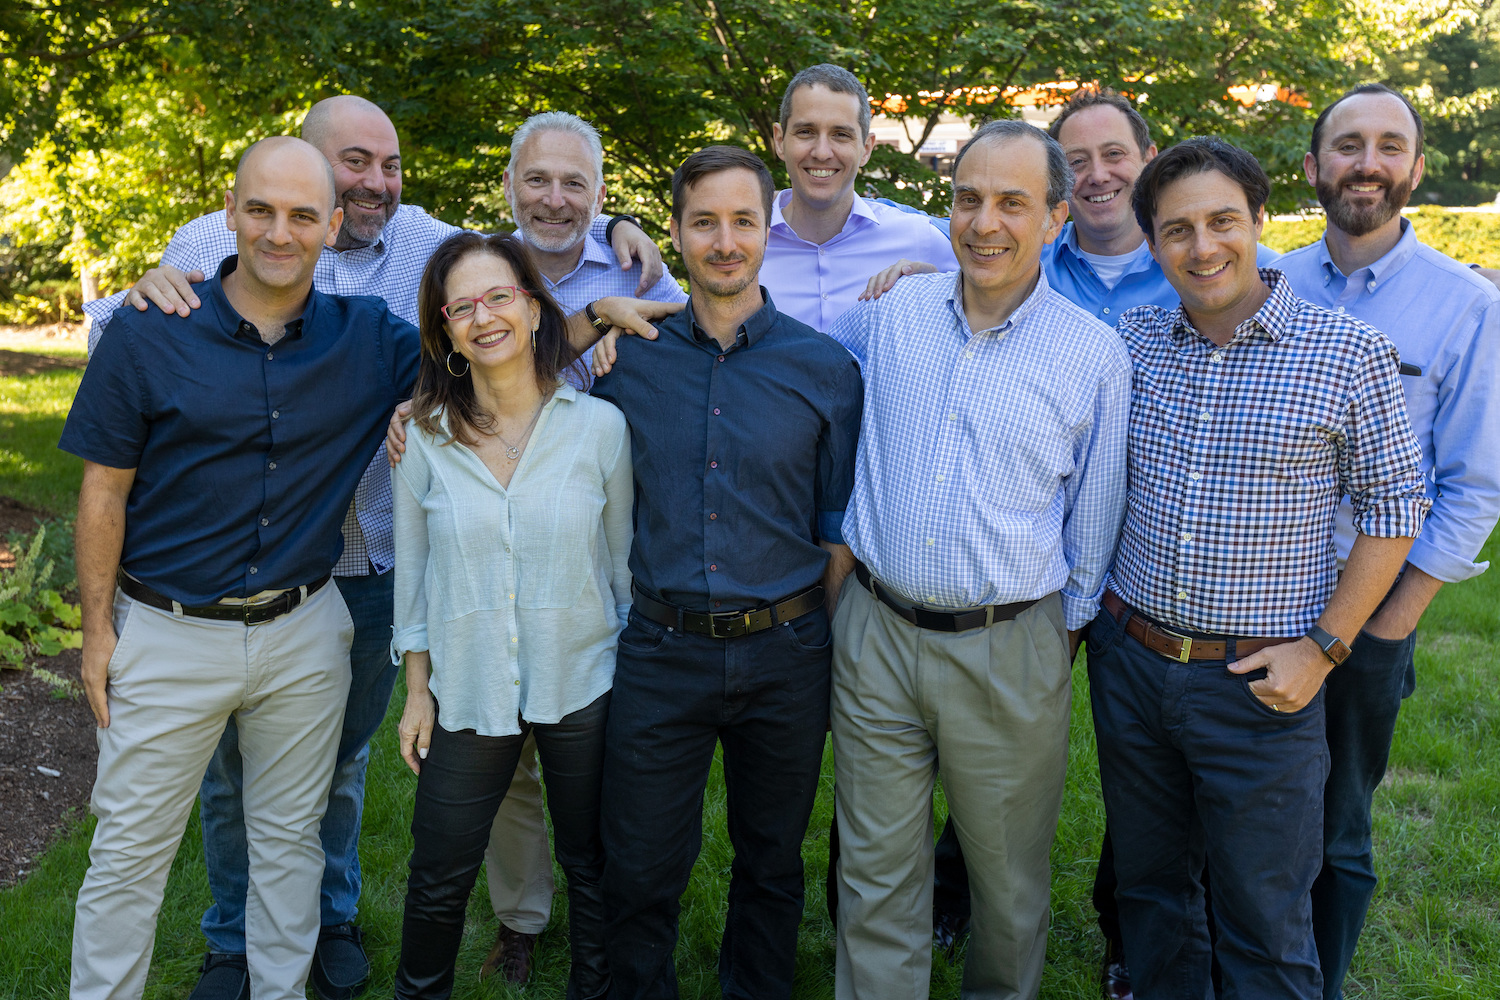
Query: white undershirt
[{"x": 1111, "y": 269}]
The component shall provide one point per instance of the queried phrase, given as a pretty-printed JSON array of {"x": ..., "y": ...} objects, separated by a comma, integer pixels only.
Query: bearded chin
[{"x": 1361, "y": 220}]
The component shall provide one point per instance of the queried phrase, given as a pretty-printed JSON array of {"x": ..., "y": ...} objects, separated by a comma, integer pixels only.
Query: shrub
[{"x": 34, "y": 619}]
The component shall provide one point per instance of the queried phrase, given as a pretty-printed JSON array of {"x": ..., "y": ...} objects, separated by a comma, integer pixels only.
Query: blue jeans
[
  {"x": 764, "y": 696},
  {"x": 1364, "y": 697},
  {"x": 370, "y": 603},
  {"x": 1193, "y": 764}
]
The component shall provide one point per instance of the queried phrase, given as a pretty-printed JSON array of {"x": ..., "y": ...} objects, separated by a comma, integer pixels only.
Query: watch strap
[
  {"x": 1332, "y": 646},
  {"x": 595, "y": 320},
  {"x": 609, "y": 229}
]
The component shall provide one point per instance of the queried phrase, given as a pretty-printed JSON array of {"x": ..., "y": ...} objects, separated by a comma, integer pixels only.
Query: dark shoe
[
  {"x": 511, "y": 956},
  {"x": 1114, "y": 974},
  {"x": 340, "y": 970},
  {"x": 948, "y": 931},
  {"x": 222, "y": 977}
]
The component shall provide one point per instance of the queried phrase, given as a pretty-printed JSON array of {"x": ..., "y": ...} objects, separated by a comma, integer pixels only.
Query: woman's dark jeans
[{"x": 463, "y": 781}]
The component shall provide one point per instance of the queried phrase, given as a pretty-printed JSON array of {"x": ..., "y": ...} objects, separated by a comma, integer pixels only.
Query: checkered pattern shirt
[
  {"x": 1240, "y": 454},
  {"x": 991, "y": 464},
  {"x": 391, "y": 269}
]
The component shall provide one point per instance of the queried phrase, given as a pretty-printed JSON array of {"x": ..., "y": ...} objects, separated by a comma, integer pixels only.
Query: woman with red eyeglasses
[{"x": 513, "y": 530}]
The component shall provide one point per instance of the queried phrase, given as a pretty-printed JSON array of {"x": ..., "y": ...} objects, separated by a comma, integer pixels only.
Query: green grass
[
  {"x": 1434, "y": 928},
  {"x": 32, "y": 411}
]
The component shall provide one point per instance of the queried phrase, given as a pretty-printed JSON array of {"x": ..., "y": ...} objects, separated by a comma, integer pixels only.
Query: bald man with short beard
[{"x": 208, "y": 525}]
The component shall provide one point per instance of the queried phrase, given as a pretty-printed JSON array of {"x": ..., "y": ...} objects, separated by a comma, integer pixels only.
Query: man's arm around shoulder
[{"x": 100, "y": 540}]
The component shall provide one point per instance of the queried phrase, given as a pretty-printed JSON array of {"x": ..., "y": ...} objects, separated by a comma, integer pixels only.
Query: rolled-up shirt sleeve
[
  {"x": 409, "y": 486},
  {"x": 1380, "y": 462},
  {"x": 1095, "y": 495}
]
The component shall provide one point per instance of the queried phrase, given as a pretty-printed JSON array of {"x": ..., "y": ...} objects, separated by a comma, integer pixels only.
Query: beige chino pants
[
  {"x": 519, "y": 859},
  {"x": 990, "y": 707},
  {"x": 173, "y": 684}
]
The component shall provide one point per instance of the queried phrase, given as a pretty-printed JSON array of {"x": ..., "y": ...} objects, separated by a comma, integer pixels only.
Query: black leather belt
[
  {"x": 250, "y": 613},
  {"x": 939, "y": 621},
  {"x": 729, "y": 625}
]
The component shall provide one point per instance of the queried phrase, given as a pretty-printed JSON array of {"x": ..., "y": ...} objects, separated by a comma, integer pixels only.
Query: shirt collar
[
  {"x": 1068, "y": 240},
  {"x": 377, "y": 248},
  {"x": 1272, "y": 320},
  {"x": 1394, "y": 259},
  {"x": 861, "y": 210},
  {"x": 236, "y": 325},
  {"x": 1026, "y": 308},
  {"x": 750, "y": 331}
]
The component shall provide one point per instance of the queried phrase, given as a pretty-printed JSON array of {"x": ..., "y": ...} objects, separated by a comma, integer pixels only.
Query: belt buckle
[
  {"x": 1187, "y": 646},
  {"x": 732, "y": 620}
]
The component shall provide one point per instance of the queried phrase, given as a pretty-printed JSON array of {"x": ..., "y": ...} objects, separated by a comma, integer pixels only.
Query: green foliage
[
  {"x": 1470, "y": 237},
  {"x": 34, "y": 619},
  {"x": 43, "y": 302}
]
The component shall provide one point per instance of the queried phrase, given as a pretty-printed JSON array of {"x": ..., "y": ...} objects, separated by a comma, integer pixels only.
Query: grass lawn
[
  {"x": 33, "y": 408},
  {"x": 1434, "y": 929}
]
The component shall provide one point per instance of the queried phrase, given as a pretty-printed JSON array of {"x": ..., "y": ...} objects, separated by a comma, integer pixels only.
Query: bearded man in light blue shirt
[{"x": 1365, "y": 160}]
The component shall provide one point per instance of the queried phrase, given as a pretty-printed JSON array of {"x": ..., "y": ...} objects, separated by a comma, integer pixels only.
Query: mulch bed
[{"x": 39, "y": 729}]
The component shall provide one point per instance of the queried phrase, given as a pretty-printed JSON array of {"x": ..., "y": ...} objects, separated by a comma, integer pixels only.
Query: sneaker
[
  {"x": 511, "y": 956},
  {"x": 340, "y": 969},
  {"x": 222, "y": 977}
]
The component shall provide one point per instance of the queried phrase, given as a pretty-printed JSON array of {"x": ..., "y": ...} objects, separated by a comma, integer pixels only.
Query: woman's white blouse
[{"x": 518, "y": 594}]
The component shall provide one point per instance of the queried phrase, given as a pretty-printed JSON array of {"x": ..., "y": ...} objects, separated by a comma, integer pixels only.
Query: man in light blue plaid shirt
[
  {"x": 989, "y": 490},
  {"x": 381, "y": 250},
  {"x": 1253, "y": 414}
]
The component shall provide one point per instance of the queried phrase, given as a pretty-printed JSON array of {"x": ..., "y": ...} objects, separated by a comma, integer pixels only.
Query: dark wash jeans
[
  {"x": 1364, "y": 695},
  {"x": 1192, "y": 763},
  {"x": 463, "y": 781},
  {"x": 765, "y": 698}
]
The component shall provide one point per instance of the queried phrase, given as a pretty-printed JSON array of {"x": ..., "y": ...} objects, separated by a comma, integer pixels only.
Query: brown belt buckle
[{"x": 1187, "y": 646}]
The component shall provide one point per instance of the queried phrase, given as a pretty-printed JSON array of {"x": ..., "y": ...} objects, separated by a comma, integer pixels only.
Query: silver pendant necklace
[{"x": 513, "y": 451}]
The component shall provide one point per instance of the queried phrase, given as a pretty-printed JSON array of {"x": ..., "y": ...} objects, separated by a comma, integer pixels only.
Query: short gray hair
[
  {"x": 835, "y": 78},
  {"x": 559, "y": 121},
  {"x": 1059, "y": 174}
]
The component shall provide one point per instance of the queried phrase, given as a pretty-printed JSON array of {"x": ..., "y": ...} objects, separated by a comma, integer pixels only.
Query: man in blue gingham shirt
[
  {"x": 381, "y": 251},
  {"x": 1253, "y": 413},
  {"x": 989, "y": 487}
]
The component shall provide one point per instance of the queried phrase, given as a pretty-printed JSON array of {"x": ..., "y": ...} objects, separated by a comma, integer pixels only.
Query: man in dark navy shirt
[
  {"x": 221, "y": 452},
  {"x": 743, "y": 427}
]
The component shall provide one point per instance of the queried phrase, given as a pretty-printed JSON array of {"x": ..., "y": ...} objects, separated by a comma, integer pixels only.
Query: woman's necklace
[{"x": 513, "y": 451}]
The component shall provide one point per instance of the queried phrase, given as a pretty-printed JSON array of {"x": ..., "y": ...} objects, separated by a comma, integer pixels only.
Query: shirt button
[
  {"x": 968, "y": 354},
  {"x": 512, "y": 597},
  {"x": 940, "y": 477},
  {"x": 1187, "y": 536},
  {"x": 265, "y": 521},
  {"x": 1203, "y": 415},
  {"x": 721, "y": 357},
  {"x": 254, "y": 570},
  {"x": 1182, "y": 595},
  {"x": 713, "y": 517},
  {"x": 716, "y": 411},
  {"x": 275, "y": 414},
  {"x": 1341, "y": 309},
  {"x": 272, "y": 465},
  {"x": 1371, "y": 286},
  {"x": 270, "y": 356},
  {"x": 825, "y": 295},
  {"x": 953, "y": 416},
  {"x": 713, "y": 567},
  {"x": 931, "y": 541},
  {"x": 713, "y": 465},
  {"x": 1216, "y": 356},
  {"x": 515, "y": 639},
  {"x": 1195, "y": 476},
  {"x": 1106, "y": 310},
  {"x": 518, "y": 682},
  {"x": 717, "y": 603}
]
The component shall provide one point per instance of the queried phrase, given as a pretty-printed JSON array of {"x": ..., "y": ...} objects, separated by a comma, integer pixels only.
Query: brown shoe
[
  {"x": 1114, "y": 975},
  {"x": 511, "y": 956}
]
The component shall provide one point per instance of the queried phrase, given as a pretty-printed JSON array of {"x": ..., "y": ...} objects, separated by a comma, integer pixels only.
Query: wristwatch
[
  {"x": 1332, "y": 646},
  {"x": 598, "y": 322},
  {"x": 609, "y": 230}
]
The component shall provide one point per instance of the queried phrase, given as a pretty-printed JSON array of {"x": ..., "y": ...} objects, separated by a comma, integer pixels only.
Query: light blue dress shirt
[
  {"x": 518, "y": 592},
  {"x": 991, "y": 464},
  {"x": 1444, "y": 320}
]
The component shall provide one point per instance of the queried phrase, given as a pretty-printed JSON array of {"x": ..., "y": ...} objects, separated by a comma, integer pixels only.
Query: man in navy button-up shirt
[
  {"x": 221, "y": 452},
  {"x": 743, "y": 431}
]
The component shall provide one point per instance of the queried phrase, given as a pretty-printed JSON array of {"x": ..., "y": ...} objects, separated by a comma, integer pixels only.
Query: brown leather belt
[
  {"x": 1182, "y": 648},
  {"x": 731, "y": 624},
  {"x": 939, "y": 621},
  {"x": 256, "y": 613}
]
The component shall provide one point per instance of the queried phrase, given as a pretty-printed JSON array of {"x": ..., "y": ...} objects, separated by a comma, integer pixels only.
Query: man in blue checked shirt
[
  {"x": 381, "y": 249},
  {"x": 1253, "y": 414},
  {"x": 1365, "y": 160},
  {"x": 989, "y": 488}
]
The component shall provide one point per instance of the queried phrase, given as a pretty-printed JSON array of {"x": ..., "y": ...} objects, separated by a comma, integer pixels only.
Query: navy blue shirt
[
  {"x": 744, "y": 458},
  {"x": 246, "y": 455}
]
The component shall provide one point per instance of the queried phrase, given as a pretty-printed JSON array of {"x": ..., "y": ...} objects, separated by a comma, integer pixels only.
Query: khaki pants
[
  {"x": 173, "y": 684},
  {"x": 991, "y": 708},
  {"x": 518, "y": 859}
]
